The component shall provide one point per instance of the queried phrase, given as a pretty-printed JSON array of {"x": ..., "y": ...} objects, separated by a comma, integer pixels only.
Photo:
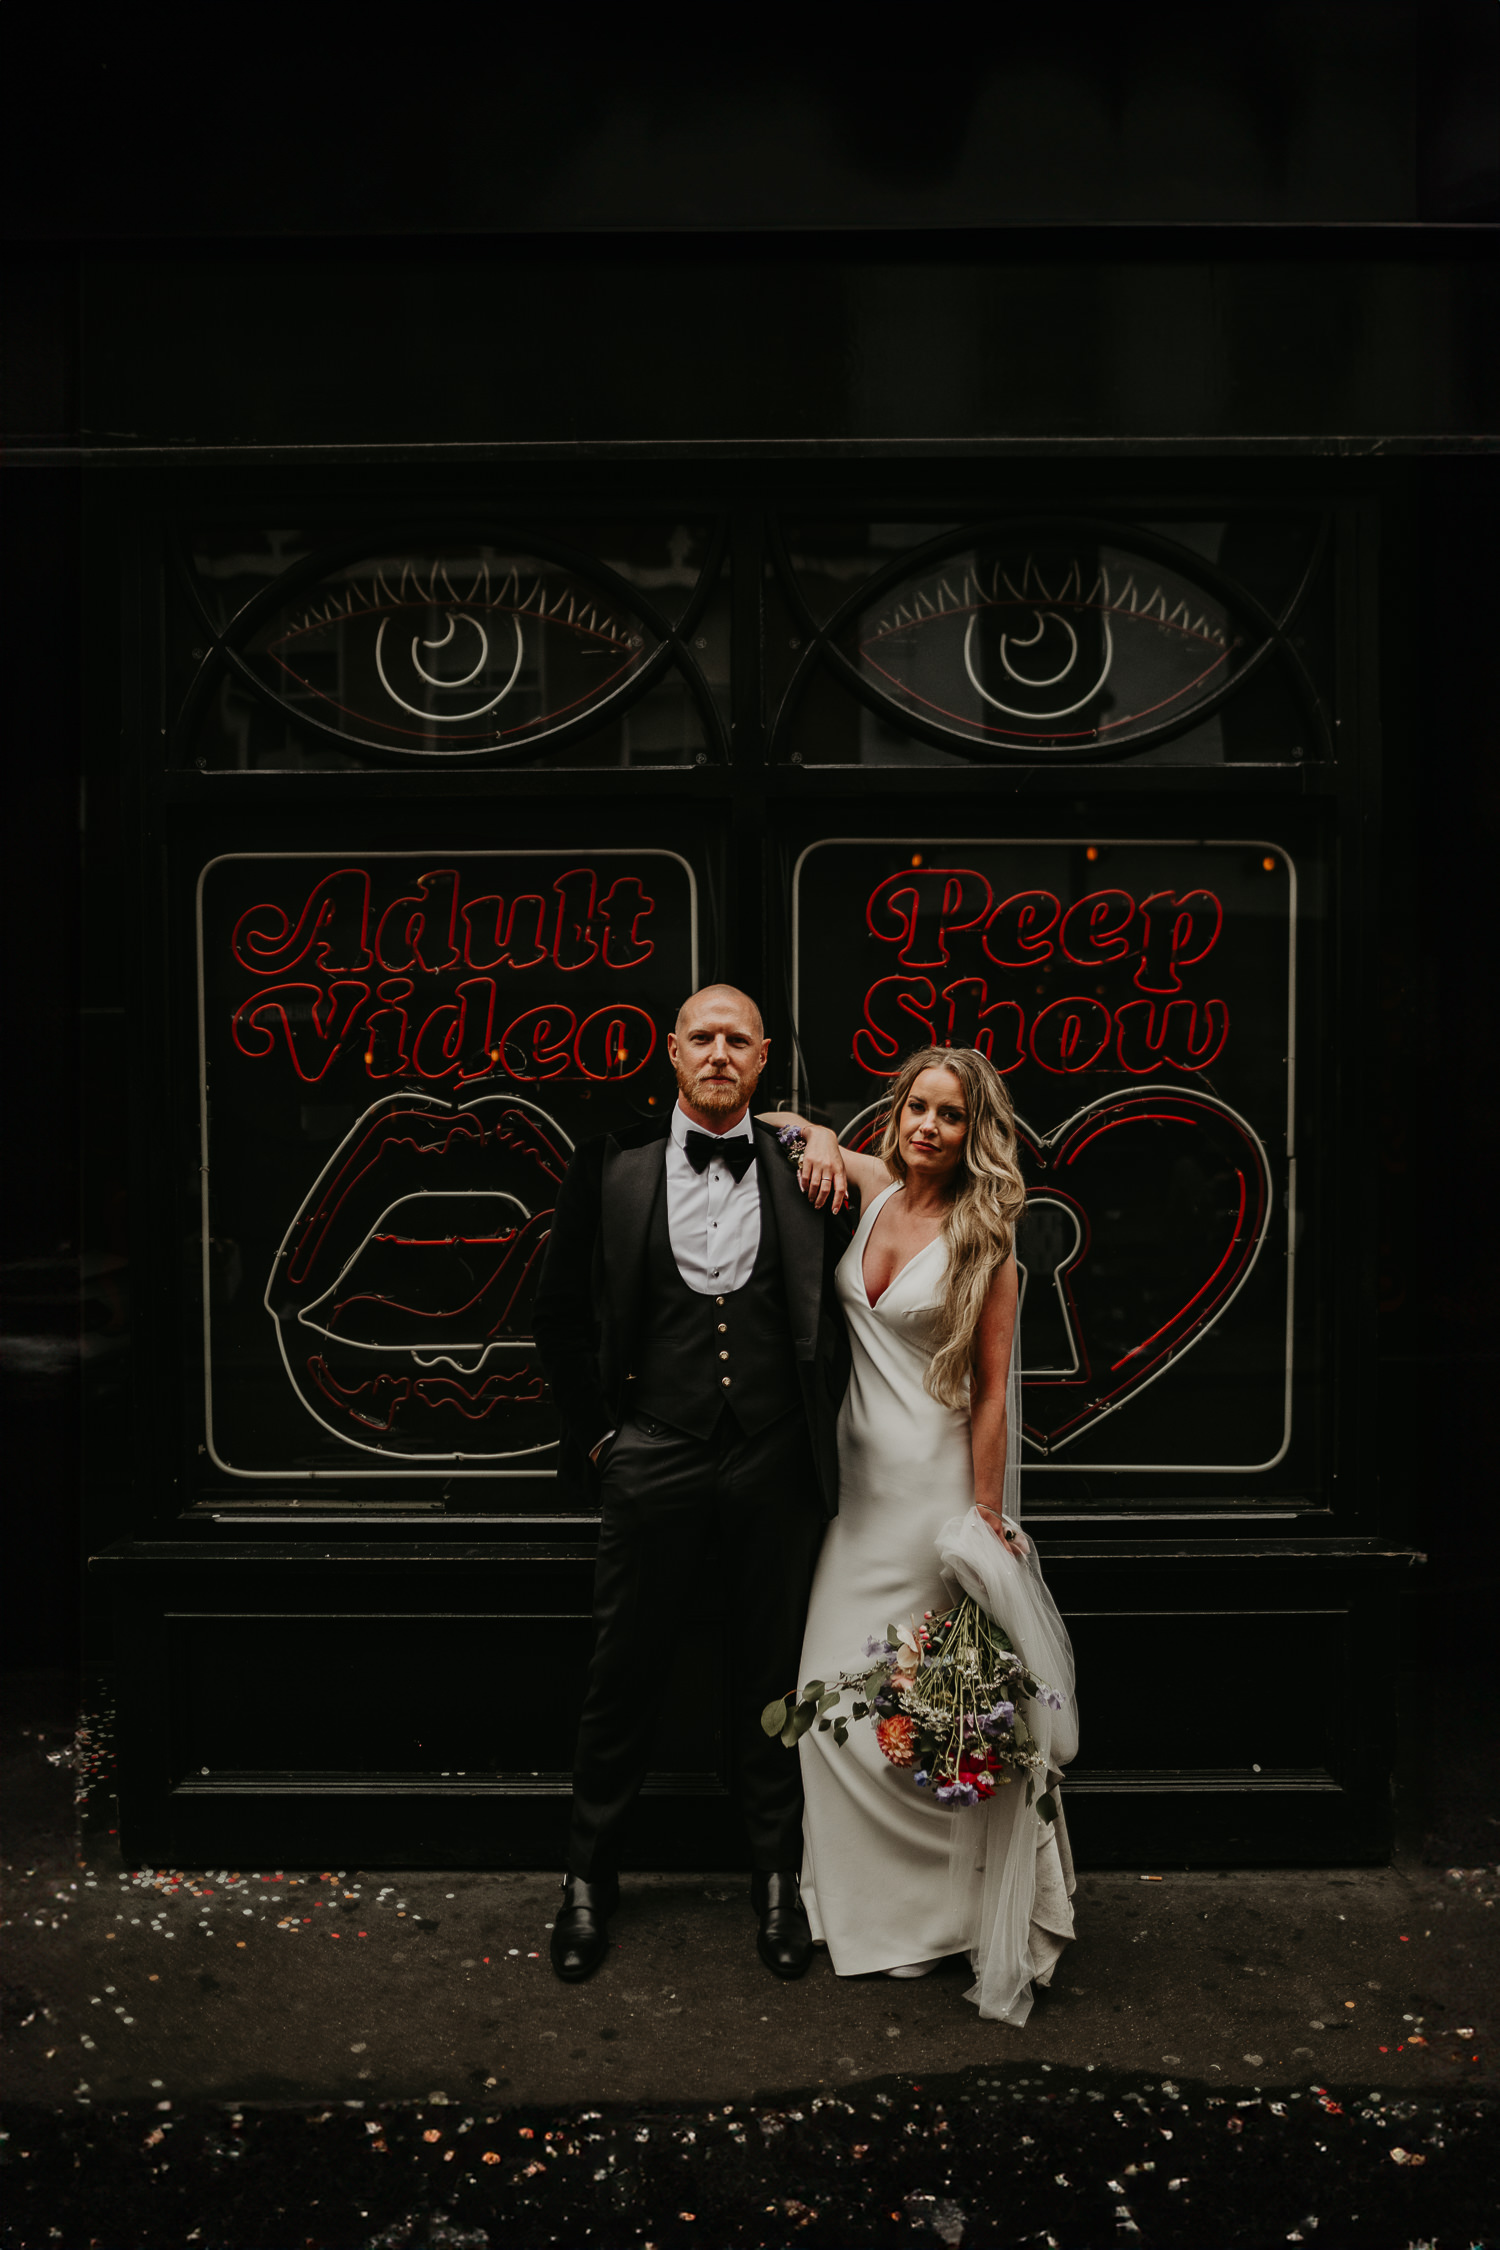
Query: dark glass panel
[
  {"x": 827, "y": 726},
  {"x": 447, "y": 654},
  {"x": 1046, "y": 645},
  {"x": 1070, "y": 644},
  {"x": 1137, "y": 997},
  {"x": 830, "y": 559},
  {"x": 241, "y": 731},
  {"x": 400, "y": 1052},
  {"x": 232, "y": 564}
]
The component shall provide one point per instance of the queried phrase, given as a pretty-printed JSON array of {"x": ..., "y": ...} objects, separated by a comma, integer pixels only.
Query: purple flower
[
  {"x": 921, "y": 1779},
  {"x": 958, "y": 1793},
  {"x": 996, "y": 1720},
  {"x": 1052, "y": 1699},
  {"x": 876, "y": 1648}
]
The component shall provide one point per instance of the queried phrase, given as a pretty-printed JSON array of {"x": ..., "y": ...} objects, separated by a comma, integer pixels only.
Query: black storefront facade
[{"x": 429, "y": 767}]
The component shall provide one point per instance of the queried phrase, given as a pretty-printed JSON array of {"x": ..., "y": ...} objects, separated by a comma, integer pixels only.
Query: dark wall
[
  {"x": 40, "y": 590},
  {"x": 1347, "y": 112},
  {"x": 1439, "y": 1125},
  {"x": 742, "y": 339}
]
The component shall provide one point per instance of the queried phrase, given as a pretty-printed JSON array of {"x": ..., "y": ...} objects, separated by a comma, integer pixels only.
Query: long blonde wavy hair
[{"x": 988, "y": 1200}]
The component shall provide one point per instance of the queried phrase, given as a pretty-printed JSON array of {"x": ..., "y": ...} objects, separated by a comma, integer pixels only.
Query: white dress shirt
[{"x": 713, "y": 1219}]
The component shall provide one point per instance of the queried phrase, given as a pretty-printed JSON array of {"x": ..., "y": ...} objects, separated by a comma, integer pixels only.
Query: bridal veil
[{"x": 996, "y": 1848}]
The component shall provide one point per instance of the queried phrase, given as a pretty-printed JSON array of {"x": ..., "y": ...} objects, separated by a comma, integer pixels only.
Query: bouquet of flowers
[{"x": 944, "y": 1697}]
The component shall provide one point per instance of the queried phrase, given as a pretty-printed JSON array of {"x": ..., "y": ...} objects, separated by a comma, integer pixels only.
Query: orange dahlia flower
[{"x": 897, "y": 1738}]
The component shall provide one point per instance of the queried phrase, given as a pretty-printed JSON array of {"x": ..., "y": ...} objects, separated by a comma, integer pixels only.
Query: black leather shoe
[
  {"x": 784, "y": 1941},
  {"x": 580, "y": 1935}
]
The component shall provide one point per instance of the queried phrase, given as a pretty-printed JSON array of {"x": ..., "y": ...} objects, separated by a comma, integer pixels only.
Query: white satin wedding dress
[{"x": 889, "y": 1877}]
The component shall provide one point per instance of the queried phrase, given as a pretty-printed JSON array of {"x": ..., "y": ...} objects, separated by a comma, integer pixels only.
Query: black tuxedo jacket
[{"x": 588, "y": 1305}]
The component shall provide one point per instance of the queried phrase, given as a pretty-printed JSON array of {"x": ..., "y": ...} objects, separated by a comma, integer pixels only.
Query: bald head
[
  {"x": 720, "y": 1001},
  {"x": 718, "y": 1051}
]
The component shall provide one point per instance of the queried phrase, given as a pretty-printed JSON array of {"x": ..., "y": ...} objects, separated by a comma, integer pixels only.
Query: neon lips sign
[
  {"x": 415, "y": 1010},
  {"x": 403, "y": 1288}
]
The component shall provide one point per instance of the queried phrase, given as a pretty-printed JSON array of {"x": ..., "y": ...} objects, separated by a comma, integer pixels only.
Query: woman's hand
[
  {"x": 1010, "y": 1534},
  {"x": 821, "y": 1173},
  {"x": 827, "y": 1168}
]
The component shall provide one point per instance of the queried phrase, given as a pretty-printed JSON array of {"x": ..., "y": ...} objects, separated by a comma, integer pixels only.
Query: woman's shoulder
[{"x": 869, "y": 1174}]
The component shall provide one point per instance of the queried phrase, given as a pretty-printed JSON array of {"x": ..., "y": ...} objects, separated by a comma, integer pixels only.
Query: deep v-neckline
[{"x": 875, "y": 1210}]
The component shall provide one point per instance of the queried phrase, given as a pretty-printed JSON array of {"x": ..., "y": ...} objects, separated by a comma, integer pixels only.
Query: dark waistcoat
[{"x": 695, "y": 1355}]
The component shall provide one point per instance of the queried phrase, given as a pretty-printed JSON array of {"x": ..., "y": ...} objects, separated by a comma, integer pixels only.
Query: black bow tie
[{"x": 737, "y": 1150}]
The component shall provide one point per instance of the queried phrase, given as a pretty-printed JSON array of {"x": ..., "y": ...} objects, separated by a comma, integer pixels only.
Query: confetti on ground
[
  {"x": 1066, "y": 2156},
  {"x": 961, "y": 2163}
]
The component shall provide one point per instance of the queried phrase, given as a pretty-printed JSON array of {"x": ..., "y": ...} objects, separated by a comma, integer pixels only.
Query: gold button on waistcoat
[
  {"x": 723, "y": 1355},
  {"x": 724, "y": 1379},
  {"x": 723, "y": 1328}
]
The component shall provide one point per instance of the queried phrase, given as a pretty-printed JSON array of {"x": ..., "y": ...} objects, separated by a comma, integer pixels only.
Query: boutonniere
[{"x": 794, "y": 1142}]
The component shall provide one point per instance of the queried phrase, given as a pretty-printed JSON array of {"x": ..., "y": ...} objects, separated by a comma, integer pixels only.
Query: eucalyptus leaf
[
  {"x": 824, "y": 1725},
  {"x": 861, "y": 1711},
  {"x": 892, "y": 1636},
  {"x": 828, "y": 1697},
  {"x": 813, "y": 1689},
  {"x": 1046, "y": 1805},
  {"x": 773, "y": 1718},
  {"x": 840, "y": 1732}
]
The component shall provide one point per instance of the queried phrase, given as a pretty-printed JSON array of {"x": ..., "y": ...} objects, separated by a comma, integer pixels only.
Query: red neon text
[
  {"x": 432, "y": 929},
  {"x": 1074, "y": 1033},
  {"x": 918, "y": 909},
  {"x": 456, "y": 1039}
]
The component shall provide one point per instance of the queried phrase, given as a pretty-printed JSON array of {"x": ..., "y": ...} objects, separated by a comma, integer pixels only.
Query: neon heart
[
  {"x": 1147, "y": 1211},
  {"x": 1131, "y": 1247}
]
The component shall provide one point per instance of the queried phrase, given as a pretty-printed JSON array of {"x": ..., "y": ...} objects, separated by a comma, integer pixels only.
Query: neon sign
[
  {"x": 1084, "y": 1354},
  {"x": 399, "y": 1055},
  {"x": 1137, "y": 999},
  {"x": 447, "y": 656},
  {"x": 462, "y": 1036},
  {"x": 401, "y": 1292},
  {"x": 918, "y": 911},
  {"x": 1047, "y": 648}
]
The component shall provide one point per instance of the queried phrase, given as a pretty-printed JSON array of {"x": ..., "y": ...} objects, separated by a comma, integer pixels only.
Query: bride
[{"x": 928, "y": 1510}]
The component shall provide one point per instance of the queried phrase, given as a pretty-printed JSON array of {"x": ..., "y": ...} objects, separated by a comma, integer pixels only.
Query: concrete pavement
[{"x": 292, "y": 1985}]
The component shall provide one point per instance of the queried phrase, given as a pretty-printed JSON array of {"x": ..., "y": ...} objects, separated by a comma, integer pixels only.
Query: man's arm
[{"x": 565, "y": 1322}]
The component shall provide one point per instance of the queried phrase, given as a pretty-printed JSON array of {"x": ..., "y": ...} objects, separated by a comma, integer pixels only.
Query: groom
[{"x": 687, "y": 1321}]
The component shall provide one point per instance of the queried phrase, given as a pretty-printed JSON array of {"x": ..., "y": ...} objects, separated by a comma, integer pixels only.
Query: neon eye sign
[
  {"x": 1050, "y": 648},
  {"x": 447, "y": 656}
]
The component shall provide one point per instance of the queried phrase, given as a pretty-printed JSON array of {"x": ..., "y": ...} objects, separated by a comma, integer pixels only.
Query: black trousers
[{"x": 733, "y": 1518}]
